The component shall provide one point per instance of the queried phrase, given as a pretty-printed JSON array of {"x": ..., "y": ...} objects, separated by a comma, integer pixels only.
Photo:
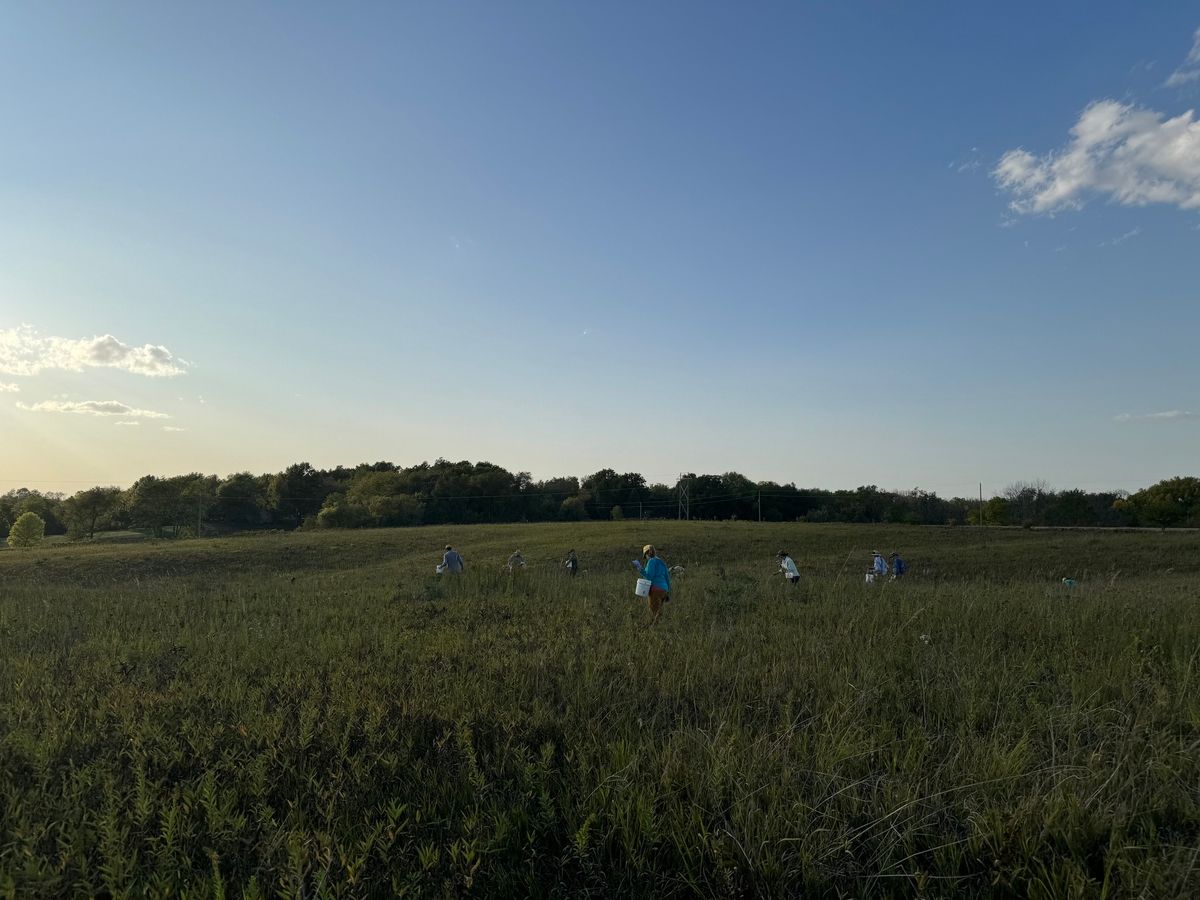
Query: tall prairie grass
[{"x": 305, "y": 716}]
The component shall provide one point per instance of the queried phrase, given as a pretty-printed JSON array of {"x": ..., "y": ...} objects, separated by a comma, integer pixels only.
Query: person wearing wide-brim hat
[
  {"x": 788, "y": 567},
  {"x": 655, "y": 571},
  {"x": 879, "y": 565}
]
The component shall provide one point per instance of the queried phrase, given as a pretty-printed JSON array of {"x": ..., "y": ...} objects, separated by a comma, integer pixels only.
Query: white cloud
[
  {"x": 1120, "y": 239},
  {"x": 1170, "y": 415},
  {"x": 1190, "y": 70},
  {"x": 172, "y": 428},
  {"x": 968, "y": 163},
  {"x": 1133, "y": 156},
  {"x": 92, "y": 408},
  {"x": 9, "y": 388},
  {"x": 130, "y": 422},
  {"x": 24, "y": 352}
]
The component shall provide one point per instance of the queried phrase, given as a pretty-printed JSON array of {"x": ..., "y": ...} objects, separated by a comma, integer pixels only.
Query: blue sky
[{"x": 830, "y": 243}]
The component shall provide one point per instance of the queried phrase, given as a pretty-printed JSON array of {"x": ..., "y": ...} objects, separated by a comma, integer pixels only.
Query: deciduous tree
[{"x": 28, "y": 530}]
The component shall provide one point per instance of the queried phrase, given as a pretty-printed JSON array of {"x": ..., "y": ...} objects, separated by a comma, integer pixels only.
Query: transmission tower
[{"x": 685, "y": 511}]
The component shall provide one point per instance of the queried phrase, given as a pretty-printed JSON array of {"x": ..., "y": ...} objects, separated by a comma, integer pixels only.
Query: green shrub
[{"x": 28, "y": 530}]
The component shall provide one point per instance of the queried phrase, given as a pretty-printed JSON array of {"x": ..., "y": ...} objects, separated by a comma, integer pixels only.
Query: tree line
[{"x": 383, "y": 494}]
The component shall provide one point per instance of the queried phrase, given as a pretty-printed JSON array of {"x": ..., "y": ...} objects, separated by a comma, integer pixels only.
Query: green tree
[
  {"x": 153, "y": 503},
  {"x": 87, "y": 508},
  {"x": 197, "y": 493},
  {"x": 573, "y": 509},
  {"x": 381, "y": 494},
  {"x": 47, "y": 506},
  {"x": 241, "y": 501},
  {"x": 606, "y": 489},
  {"x": 29, "y": 529},
  {"x": 1071, "y": 507},
  {"x": 1171, "y": 502},
  {"x": 397, "y": 509},
  {"x": 297, "y": 492},
  {"x": 997, "y": 511},
  {"x": 1028, "y": 501},
  {"x": 337, "y": 512}
]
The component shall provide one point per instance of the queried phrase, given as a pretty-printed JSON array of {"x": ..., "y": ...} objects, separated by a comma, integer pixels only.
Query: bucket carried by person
[{"x": 643, "y": 587}]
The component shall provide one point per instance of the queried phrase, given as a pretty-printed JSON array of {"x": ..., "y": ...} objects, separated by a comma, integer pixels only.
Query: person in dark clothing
[{"x": 571, "y": 563}]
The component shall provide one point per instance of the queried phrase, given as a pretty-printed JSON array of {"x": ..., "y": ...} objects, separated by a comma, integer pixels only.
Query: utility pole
[
  {"x": 760, "y": 504},
  {"x": 685, "y": 511},
  {"x": 199, "y": 513},
  {"x": 981, "y": 522}
]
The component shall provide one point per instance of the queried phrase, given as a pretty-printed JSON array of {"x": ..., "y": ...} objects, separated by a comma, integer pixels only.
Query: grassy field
[{"x": 316, "y": 714}]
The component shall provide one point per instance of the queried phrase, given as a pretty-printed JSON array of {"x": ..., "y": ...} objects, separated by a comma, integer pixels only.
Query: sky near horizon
[{"x": 911, "y": 245}]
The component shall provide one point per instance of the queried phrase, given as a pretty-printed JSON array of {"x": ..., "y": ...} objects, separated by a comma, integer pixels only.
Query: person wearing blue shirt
[
  {"x": 899, "y": 566},
  {"x": 879, "y": 566},
  {"x": 655, "y": 571}
]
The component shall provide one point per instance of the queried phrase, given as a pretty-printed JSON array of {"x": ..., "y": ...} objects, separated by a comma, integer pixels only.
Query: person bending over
[{"x": 787, "y": 566}]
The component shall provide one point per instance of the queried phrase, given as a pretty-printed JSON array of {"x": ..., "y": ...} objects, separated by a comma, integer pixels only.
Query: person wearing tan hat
[{"x": 655, "y": 571}]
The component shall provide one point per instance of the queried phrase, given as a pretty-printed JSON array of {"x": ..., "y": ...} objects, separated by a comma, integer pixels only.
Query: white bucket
[
  {"x": 870, "y": 578},
  {"x": 643, "y": 587}
]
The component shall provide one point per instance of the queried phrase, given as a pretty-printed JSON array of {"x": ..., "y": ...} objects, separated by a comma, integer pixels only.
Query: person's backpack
[{"x": 901, "y": 566}]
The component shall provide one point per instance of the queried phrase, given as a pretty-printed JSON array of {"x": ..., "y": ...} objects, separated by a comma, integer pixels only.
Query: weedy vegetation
[{"x": 318, "y": 715}]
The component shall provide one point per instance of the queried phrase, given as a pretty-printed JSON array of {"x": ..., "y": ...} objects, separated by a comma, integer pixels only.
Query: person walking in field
[
  {"x": 655, "y": 571},
  {"x": 516, "y": 561},
  {"x": 571, "y": 563},
  {"x": 787, "y": 566},
  {"x": 899, "y": 566},
  {"x": 452, "y": 562}
]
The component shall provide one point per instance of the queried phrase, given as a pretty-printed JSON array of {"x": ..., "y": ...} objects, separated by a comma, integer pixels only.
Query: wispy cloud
[
  {"x": 128, "y": 422},
  {"x": 92, "y": 408},
  {"x": 1170, "y": 415},
  {"x": 1122, "y": 238},
  {"x": 172, "y": 428},
  {"x": 24, "y": 352},
  {"x": 1189, "y": 71},
  {"x": 9, "y": 388},
  {"x": 969, "y": 163},
  {"x": 1133, "y": 156}
]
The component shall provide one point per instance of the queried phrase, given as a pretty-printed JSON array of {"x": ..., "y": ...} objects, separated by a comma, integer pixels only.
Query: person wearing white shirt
[{"x": 787, "y": 566}]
